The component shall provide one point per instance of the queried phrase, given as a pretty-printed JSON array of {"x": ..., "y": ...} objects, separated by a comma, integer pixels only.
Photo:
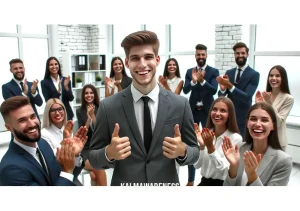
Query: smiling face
[
  {"x": 172, "y": 67},
  {"x": 241, "y": 56},
  {"x": 260, "y": 124},
  {"x": 117, "y": 66},
  {"x": 201, "y": 57},
  {"x": 53, "y": 67},
  {"x": 89, "y": 96},
  {"x": 18, "y": 71},
  {"x": 275, "y": 78},
  {"x": 24, "y": 124},
  {"x": 142, "y": 64},
  {"x": 57, "y": 115},
  {"x": 219, "y": 114}
]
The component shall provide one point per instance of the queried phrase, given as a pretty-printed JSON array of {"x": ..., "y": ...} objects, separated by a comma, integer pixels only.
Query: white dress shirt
[
  {"x": 138, "y": 105},
  {"x": 32, "y": 151},
  {"x": 173, "y": 83},
  {"x": 215, "y": 165},
  {"x": 54, "y": 137},
  {"x": 56, "y": 84},
  {"x": 19, "y": 83}
]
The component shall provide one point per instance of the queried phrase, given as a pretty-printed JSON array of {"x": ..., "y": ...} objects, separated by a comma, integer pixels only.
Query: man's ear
[
  {"x": 157, "y": 60},
  {"x": 126, "y": 63},
  {"x": 8, "y": 127}
]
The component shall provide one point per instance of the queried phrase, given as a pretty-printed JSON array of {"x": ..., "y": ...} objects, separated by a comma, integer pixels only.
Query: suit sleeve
[
  {"x": 212, "y": 86},
  {"x": 6, "y": 93},
  {"x": 45, "y": 90},
  {"x": 283, "y": 112},
  {"x": 17, "y": 176},
  {"x": 188, "y": 136},
  {"x": 80, "y": 121},
  {"x": 280, "y": 176},
  {"x": 69, "y": 94},
  {"x": 246, "y": 96},
  {"x": 187, "y": 83},
  {"x": 100, "y": 139}
]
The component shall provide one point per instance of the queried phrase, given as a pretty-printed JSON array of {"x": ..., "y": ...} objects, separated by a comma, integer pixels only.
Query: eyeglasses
[{"x": 60, "y": 110}]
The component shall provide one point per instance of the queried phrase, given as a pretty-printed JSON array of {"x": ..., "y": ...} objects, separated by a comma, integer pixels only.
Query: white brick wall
[{"x": 226, "y": 37}]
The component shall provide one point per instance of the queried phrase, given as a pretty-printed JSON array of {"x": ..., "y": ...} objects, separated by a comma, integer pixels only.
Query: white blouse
[
  {"x": 173, "y": 83},
  {"x": 215, "y": 165}
]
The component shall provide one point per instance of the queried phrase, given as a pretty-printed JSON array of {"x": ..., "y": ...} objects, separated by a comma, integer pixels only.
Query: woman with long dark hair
[
  {"x": 221, "y": 123},
  {"x": 86, "y": 116},
  {"x": 118, "y": 79},
  {"x": 260, "y": 161},
  {"x": 279, "y": 96},
  {"x": 54, "y": 85}
]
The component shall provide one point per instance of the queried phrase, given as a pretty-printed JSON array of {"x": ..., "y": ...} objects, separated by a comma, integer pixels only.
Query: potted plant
[
  {"x": 78, "y": 82},
  {"x": 98, "y": 80}
]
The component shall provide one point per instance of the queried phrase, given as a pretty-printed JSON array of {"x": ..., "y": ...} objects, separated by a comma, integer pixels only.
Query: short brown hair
[
  {"x": 140, "y": 38},
  {"x": 13, "y": 61},
  {"x": 12, "y": 104},
  {"x": 240, "y": 45}
]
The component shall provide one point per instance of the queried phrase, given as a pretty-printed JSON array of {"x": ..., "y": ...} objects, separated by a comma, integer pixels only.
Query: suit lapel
[
  {"x": 278, "y": 99},
  {"x": 127, "y": 104},
  {"x": 15, "y": 88},
  {"x": 163, "y": 106},
  {"x": 231, "y": 75},
  {"x": 267, "y": 158}
]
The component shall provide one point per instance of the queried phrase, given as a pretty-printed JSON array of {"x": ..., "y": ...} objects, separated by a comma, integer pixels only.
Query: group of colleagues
[{"x": 144, "y": 129}]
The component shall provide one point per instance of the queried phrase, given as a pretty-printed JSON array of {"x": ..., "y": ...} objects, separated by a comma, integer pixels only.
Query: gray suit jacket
[
  {"x": 282, "y": 106},
  {"x": 141, "y": 167},
  {"x": 274, "y": 169}
]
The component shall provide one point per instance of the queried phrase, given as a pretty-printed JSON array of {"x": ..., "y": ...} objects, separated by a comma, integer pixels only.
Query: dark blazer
[
  {"x": 203, "y": 93},
  {"x": 140, "y": 166},
  {"x": 12, "y": 89},
  {"x": 243, "y": 92},
  {"x": 18, "y": 168},
  {"x": 126, "y": 81},
  {"x": 49, "y": 91},
  {"x": 81, "y": 114}
]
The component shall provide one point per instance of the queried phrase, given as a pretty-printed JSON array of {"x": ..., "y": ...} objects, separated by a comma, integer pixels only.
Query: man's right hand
[
  {"x": 194, "y": 75},
  {"x": 65, "y": 156},
  {"x": 119, "y": 148}
]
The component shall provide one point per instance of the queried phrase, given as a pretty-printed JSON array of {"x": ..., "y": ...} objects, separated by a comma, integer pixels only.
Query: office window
[
  {"x": 8, "y": 28},
  {"x": 263, "y": 64},
  {"x": 119, "y": 33},
  {"x": 277, "y": 37},
  {"x": 160, "y": 31},
  {"x": 246, "y": 34},
  {"x": 34, "y": 29},
  {"x": 185, "y": 37}
]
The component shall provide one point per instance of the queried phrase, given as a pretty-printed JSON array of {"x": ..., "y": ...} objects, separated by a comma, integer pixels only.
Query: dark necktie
[
  {"x": 147, "y": 124},
  {"x": 21, "y": 83},
  {"x": 238, "y": 77},
  {"x": 41, "y": 158}
]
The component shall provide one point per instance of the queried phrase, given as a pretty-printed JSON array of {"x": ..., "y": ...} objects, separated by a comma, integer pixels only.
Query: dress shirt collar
[
  {"x": 203, "y": 68},
  {"x": 30, "y": 150},
  {"x": 57, "y": 130},
  {"x": 153, "y": 95},
  {"x": 53, "y": 79},
  {"x": 243, "y": 68},
  {"x": 18, "y": 82}
]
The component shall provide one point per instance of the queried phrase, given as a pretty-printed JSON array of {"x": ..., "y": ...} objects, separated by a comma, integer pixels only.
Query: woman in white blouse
[
  {"x": 221, "y": 123},
  {"x": 171, "y": 78}
]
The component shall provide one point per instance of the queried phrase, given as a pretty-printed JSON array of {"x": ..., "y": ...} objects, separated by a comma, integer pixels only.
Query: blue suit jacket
[
  {"x": 202, "y": 93},
  {"x": 18, "y": 167},
  {"x": 243, "y": 92},
  {"x": 12, "y": 89},
  {"x": 49, "y": 91}
]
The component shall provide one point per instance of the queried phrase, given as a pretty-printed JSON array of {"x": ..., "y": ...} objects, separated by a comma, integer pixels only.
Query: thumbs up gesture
[
  {"x": 119, "y": 148},
  {"x": 174, "y": 147}
]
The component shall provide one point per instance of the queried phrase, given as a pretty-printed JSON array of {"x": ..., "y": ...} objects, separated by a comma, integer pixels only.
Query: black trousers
[{"x": 210, "y": 182}]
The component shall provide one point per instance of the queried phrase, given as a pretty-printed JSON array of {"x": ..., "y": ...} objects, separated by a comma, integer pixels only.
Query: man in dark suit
[
  {"x": 201, "y": 82},
  {"x": 29, "y": 159},
  {"x": 19, "y": 86},
  {"x": 143, "y": 130},
  {"x": 240, "y": 84}
]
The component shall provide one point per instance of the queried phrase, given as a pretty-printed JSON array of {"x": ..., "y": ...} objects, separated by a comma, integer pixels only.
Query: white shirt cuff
[
  {"x": 231, "y": 90},
  {"x": 36, "y": 93},
  {"x": 107, "y": 157},
  {"x": 66, "y": 175},
  {"x": 202, "y": 84},
  {"x": 192, "y": 83}
]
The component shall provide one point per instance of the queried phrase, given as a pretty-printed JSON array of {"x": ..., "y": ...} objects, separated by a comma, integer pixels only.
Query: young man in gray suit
[{"x": 143, "y": 130}]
